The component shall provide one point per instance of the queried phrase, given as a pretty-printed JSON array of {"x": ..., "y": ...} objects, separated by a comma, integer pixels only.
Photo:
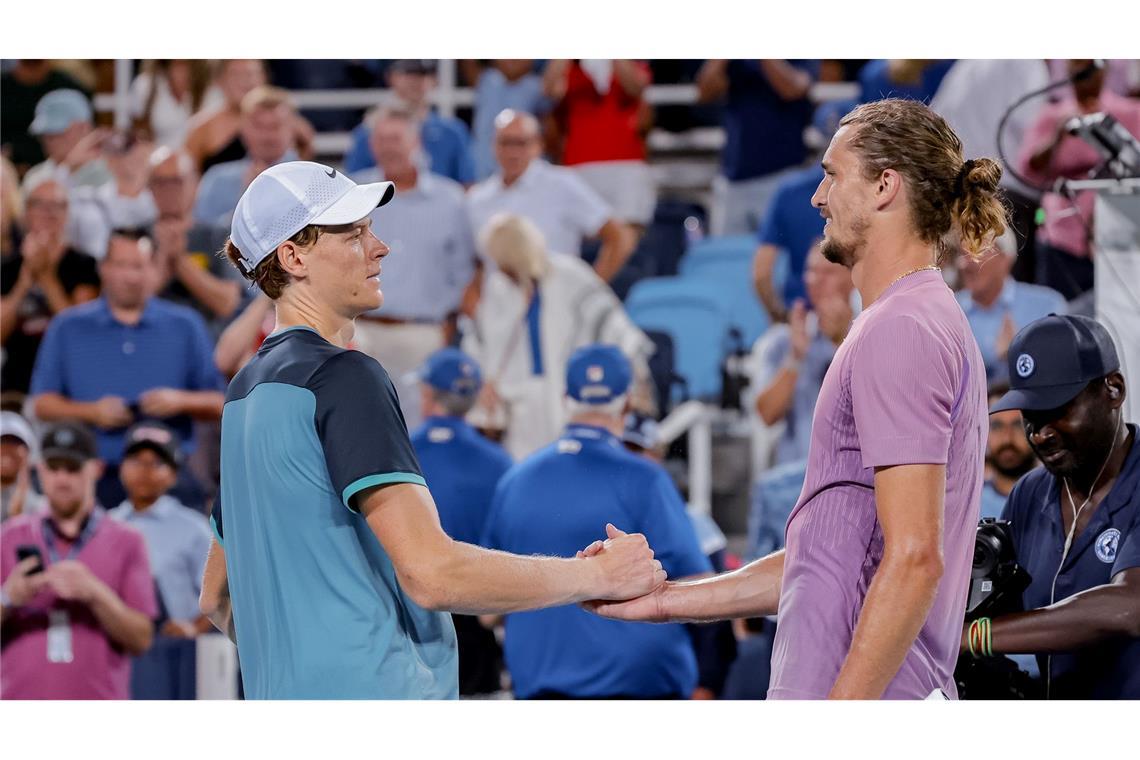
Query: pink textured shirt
[
  {"x": 116, "y": 554},
  {"x": 1072, "y": 159},
  {"x": 907, "y": 386}
]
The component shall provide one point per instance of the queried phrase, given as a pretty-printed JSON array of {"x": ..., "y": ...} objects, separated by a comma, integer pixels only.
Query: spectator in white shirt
[{"x": 556, "y": 200}]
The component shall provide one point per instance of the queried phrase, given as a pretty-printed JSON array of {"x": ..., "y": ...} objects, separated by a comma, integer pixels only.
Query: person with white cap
[
  {"x": 329, "y": 568},
  {"x": 17, "y": 454},
  {"x": 64, "y": 123}
]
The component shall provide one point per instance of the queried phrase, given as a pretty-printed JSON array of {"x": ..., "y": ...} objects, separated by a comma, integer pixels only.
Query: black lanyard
[{"x": 85, "y": 535}]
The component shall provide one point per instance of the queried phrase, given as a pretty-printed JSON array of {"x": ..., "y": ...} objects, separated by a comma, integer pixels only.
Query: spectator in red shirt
[
  {"x": 69, "y": 628},
  {"x": 604, "y": 121}
]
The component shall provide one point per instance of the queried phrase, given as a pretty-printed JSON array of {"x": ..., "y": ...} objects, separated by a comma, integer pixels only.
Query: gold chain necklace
[{"x": 913, "y": 271}]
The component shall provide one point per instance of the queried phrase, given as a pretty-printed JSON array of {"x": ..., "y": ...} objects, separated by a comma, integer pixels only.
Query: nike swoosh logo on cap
[{"x": 331, "y": 174}]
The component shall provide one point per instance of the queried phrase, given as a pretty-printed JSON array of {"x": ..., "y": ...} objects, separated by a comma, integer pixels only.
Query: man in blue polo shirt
[
  {"x": 551, "y": 504},
  {"x": 445, "y": 138},
  {"x": 125, "y": 357},
  {"x": 461, "y": 468},
  {"x": 329, "y": 567},
  {"x": 1076, "y": 522}
]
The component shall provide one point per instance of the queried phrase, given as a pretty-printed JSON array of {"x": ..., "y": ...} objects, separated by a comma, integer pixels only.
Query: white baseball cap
[
  {"x": 12, "y": 424},
  {"x": 286, "y": 198}
]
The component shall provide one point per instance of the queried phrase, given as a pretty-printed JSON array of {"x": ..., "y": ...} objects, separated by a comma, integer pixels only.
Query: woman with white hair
[{"x": 535, "y": 309}]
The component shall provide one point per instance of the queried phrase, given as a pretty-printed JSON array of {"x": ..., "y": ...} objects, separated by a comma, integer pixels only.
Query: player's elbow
[
  {"x": 426, "y": 582},
  {"x": 919, "y": 562},
  {"x": 209, "y": 603}
]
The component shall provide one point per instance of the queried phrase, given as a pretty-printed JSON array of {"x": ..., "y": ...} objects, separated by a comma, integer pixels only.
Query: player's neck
[
  {"x": 886, "y": 258},
  {"x": 330, "y": 326}
]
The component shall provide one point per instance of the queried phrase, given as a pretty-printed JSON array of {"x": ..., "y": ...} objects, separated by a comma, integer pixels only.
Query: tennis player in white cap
[{"x": 329, "y": 566}]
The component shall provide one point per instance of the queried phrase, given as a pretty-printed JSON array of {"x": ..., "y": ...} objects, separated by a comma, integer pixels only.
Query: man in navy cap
[
  {"x": 1076, "y": 522},
  {"x": 461, "y": 468},
  {"x": 177, "y": 540},
  {"x": 554, "y": 503}
]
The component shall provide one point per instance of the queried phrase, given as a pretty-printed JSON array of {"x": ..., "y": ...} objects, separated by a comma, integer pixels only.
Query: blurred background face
[
  {"x": 1090, "y": 86},
  {"x": 516, "y": 145},
  {"x": 128, "y": 272},
  {"x": 146, "y": 476},
  {"x": 46, "y": 210},
  {"x": 13, "y": 458},
  {"x": 1007, "y": 450},
  {"x": 413, "y": 89},
  {"x": 394, "y": 142},
  {"x": 66, "y": 484},
  {"x": 514, "y": 68},
  {"x": 173, "y": 185},
  {"x": 238, "y": 77},
  {"x": 268, "y": 133},
  {"x": 984, "y": 278},
  {"x": 58, "y": 146}
]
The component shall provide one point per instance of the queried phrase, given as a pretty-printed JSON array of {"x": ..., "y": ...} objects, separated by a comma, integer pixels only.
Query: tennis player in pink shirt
[{"x": 870, "y": 590}]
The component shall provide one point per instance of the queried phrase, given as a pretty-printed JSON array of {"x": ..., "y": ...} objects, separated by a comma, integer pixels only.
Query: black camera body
[
  {"x": 996, "y": 581},
  {"x": 996, "y": 585}
]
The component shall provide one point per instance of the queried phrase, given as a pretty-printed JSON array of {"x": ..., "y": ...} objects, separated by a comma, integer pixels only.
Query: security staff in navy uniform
[
  {"x": 1076, "y": 521},
  {"x": 462, "y": 469},
  {"x": 558, "y": 500}
]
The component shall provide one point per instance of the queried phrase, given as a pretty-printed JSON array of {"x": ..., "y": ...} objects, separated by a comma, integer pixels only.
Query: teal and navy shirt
[{"x": 318, "y": 610}]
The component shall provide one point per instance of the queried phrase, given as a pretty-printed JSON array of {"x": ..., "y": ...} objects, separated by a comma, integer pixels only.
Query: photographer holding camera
[{"x": 1075, "y": 522}]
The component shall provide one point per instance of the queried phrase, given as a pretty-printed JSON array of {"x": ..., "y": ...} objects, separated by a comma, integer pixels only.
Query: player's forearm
[
  {"x": 470, "y": 580},
  {"x": 129, "y": 628},
  {"x": 1086, "y": 619},
  {"x": 751, "y": 591},
  {"x": 897, "y": 603}
]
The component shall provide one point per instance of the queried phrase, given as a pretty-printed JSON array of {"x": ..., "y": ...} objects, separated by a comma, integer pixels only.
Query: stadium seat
[
  {"x": 693, "y": 313},
  {"x": 728, "y": 260}
]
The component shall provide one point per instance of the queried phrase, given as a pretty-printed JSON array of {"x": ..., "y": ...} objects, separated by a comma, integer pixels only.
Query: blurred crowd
[{"x": 522, "y": 231}]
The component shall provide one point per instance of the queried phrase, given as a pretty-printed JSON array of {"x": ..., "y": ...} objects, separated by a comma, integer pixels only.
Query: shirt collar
[
  {"x": 527, "y": 177},
  {"x": 107, "y": 319},
  {"x": 452, "y": 423},
  {"x": 162, "y": 507},
  {"x": 581, "y": 432}
]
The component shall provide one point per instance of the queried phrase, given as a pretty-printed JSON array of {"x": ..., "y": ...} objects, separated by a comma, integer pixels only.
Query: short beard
[{"x": 846, "y": 253}]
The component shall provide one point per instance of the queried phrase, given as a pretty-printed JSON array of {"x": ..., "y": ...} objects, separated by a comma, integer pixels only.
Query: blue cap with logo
[
  {"x": 452, "y": 371},
  {"x": 1052, "y": 360},
  {"x": 597, "y": 374},
  {"x": 58, "y": 110},
  {"x": 286, "y": 198}
]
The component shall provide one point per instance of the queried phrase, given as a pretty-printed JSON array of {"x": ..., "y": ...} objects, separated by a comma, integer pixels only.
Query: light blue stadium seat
[
  {"x": 694, "y": 313},
  {"x": 728, "y": 260}
]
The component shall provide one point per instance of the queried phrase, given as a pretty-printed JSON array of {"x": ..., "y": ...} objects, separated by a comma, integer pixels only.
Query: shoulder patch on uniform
[
  {"x": 1106, "y": 545},
  {"x": 569, "y": 446}
]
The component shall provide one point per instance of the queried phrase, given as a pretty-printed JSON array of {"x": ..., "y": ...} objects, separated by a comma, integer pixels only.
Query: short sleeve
[
  {"x": 586, "y": 208},
  {"x": 669, "y": 530},
  {"x": 48, "y": 374},
  {"x": 137, "y": 582},
  {"x": 1128, "y": 548},
  {"x": 903, "y": 383},
  {"x": 361, "y": 427}
]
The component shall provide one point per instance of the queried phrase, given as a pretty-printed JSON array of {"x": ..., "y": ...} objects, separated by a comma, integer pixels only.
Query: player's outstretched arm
[
  {"x": 751, "y": 591},
  {"x": 440, "y": 573}
]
